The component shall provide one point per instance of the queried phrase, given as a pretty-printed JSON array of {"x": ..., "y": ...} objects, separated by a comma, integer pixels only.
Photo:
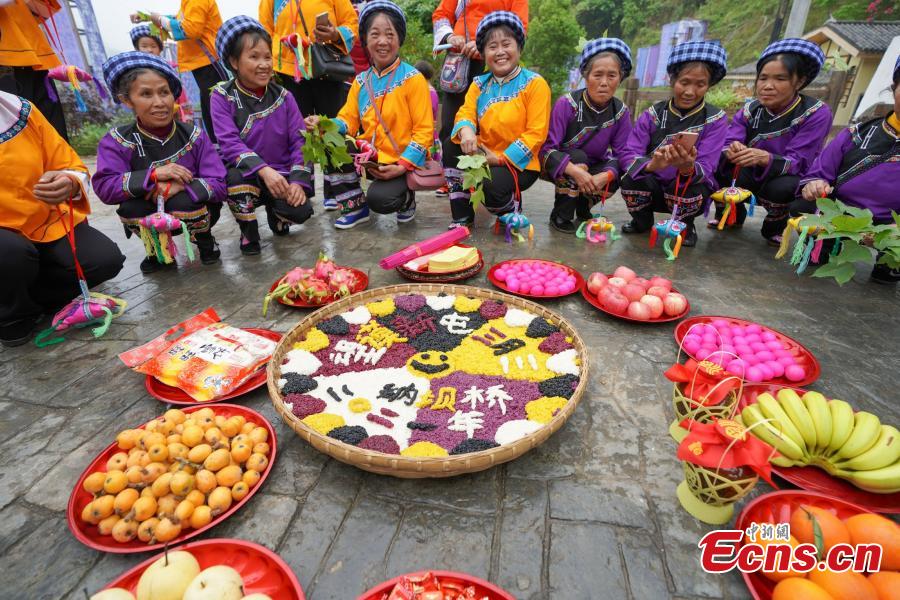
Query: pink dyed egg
[
  {"x": 765, "y": 356},
  {"x": 768, "y": 336},
  {"x": 537, "y": 290},
  {"x": 754, "y": 328},
  {"x": 787, "y": 360},
  {"x": 513, "y": 285},
  {"x": 567, "y": 288},
  {"x": 736, "y": 366},
  {"x": 794, "y": 372},
  {"x": 767, "y": 372},
  {"x": 551, "y": 290},
  {"x": 753, "y": 338},
  {"x": 754, "y": 374},
  {"x": 777, "y": 368},
  {"x": 525, "y": 288},
  {"x": 773, "y": 345},
  {"x": 691, "y": 345},
  {"x": 750, "y": 359},
  {"x": 758, "y": 347}
]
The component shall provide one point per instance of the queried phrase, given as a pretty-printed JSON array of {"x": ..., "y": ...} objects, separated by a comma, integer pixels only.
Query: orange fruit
[
  {"x": 779, "y": 575},
  {"x": 887, "y": 584},
  {"x": 833, "y": 529},
  {"x": 848, "y": 585},
  {"x": 795, "y": 588},
  {"x": 875, "y": 529}
]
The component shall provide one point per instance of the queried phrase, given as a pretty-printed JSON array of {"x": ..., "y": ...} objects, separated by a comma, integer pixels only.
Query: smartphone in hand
[
  {"x": 322, "y": 20},
  {"x": 686, "y": 140}
]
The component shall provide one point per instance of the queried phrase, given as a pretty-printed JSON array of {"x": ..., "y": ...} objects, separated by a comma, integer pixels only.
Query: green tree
[
  {"x": 553, "y": 36},
  {"x": 599, "y": 17}
]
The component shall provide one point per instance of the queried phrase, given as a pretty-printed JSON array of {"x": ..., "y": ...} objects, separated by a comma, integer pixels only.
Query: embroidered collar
[
  {"x": 146, "y": 133},
  {"x": 889, "y": 128},
  {"x": 591, "y": 105},
  {"x": 690, "y": 113},
  {"x": 791, "y": 106},
  {"x": 247, "y": 92},
  {"x": 509, "y": 76},
  {"x": 387, "y": 69}
]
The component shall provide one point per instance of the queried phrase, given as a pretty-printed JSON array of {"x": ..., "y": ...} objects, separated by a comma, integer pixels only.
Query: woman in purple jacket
[
  {"x": 259, "y": 125},
  {"x": 588, "y": 131},
  {"x": 773, "y": 140},
  {"x": 666, "y": 169},
  {"x": 861, "y": 168},
  {"x": 157, "y": 154}
]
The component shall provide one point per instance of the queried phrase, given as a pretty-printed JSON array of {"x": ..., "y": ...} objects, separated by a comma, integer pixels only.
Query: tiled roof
[{"x": 865, "y": 36}]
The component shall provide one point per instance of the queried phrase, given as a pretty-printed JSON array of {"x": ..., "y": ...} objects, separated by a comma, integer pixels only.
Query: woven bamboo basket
[
  {"x": 415, "y": 467},
  {"x": 687, "y": 408},
  {"x": 714, "y": 488}
]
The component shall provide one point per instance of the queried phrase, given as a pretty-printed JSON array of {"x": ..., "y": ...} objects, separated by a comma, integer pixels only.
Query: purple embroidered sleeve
[
  {"x": 114, "y": 182},
  {"x": 803, "y": 147}
]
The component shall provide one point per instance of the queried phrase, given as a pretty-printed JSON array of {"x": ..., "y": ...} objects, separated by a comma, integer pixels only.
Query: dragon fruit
[
  {"x": 342, "y": 282},
  {"x": 324, "y": 267},
  {"x": 316, "y": 291},
  {"x": 289, "y": 286}
]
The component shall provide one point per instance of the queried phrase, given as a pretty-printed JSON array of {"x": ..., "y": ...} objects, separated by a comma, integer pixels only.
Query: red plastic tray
[
  {"x": 776, "y": 507},
  {"x": 361, "y": 284},
  {"x": 173, "y": 395},
  {"x": 88, "y": 534},
  {"x": 804, "y": 357},
  {"x": 814, "y": 479},
  {"x": 263, "y": 571},
  {"x": 579, "y": 280},
  {"x": 483, "y": 589},
  {"x": 595, "y": 302}
]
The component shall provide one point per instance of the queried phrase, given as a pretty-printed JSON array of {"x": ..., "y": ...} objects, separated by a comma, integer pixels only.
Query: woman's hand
[
  {"x": 312, "y": 121},
  {"x": 468, "y": 143},
  {"x": 815, "y": 189},
  {"x": 751, "y": 157},
  {"x": 732, "y": 149},
  {"x": 296, "y": 195},
  {"x": 457, "y": 43},
  {"x": 682, "y": 159},
  {"x": 55, "y": 187},
  {"x": 659, "y": 160},
  {"x": 326, "y": 32},
  {"x": 582, "y": 178},
  {"x": 174, "y": 172},
  {"x": 275, "y": 182},
  {"x": 492, "y": 159},
  {"x": 171, "y": 190},
  {"x": 388, "y": 171},
  {"x": 471, "y": 50},
  {"x": 601, "y": 180}
]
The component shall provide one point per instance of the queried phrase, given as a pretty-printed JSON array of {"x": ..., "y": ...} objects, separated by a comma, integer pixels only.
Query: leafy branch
[
  {"x": 325, "y": 145},
  {"x": 475, "y": 170}
]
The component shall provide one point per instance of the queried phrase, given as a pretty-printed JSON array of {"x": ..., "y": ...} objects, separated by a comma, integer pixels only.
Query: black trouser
[
  {"x": 568, "y": 201},
  {"x": 199, "y": 218},
  {"x": 246, "y": 195},
  {"x": 386, "y": 196},
  {"x": 498, "y": 193},
  {"x": 206, "y": 77},
  {"x": 40, "y": 277},
  {"x": 775, "y": 195},
  {"x": 29, "y": 84},
  {"x": 648, "y": 194},
  {"x": 316, "y": 96},
  {"x": 450, "y": 105}
]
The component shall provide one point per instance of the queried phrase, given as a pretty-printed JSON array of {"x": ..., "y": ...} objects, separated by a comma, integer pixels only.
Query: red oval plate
[
  {"x": 776, "y": 507},
  {"x": 263, "y": 571},
  {"x": 804, "y": 357},
  {"x": 814, "y": 479},
  {"x": 595, "y": 302},
  {"x": 483, "y": 589},
  {"x": 361, "y": 284},
  {"x": 579, "y": 280},
  {"x": 173, "y": 395},
  {"x": 88, "y": 535}
]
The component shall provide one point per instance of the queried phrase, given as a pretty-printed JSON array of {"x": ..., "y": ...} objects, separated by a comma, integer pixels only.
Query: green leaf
[
  {"x": 470, "y": 180},
  {"x": 851, "y": 252},
  {"x": 477, "y": 198},
  {"x": 840, "y": 272},
  {"x": 851, "y": 224},
  {"x": 818, "y": 537}
]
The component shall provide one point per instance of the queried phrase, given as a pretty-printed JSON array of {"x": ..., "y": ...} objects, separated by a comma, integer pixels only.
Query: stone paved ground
[{"x": 590, "y": 514}]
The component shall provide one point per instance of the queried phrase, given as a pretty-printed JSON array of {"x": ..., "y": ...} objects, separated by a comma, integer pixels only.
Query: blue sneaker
[
  {"x": 405, "y": 216},
  {"x": 353, "y": 218},
  {"x": 330, "y": 204}
]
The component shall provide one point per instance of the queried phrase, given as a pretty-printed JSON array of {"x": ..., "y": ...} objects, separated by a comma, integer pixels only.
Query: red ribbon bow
[
  {"x": 725, "y": 444},
  {"x": 704, "y": 382}
]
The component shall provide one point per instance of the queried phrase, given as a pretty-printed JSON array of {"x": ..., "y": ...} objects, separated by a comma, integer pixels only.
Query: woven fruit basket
[{"x": 544, "y": 371}]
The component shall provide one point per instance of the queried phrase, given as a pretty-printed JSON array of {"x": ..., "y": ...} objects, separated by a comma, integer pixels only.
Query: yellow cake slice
[{"x": 454, "y": 258}]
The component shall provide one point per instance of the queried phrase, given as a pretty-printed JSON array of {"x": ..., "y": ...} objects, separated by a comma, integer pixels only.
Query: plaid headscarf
[
  {"x": 897, "y": 69},
  {"x": 231, "y": 30},
  {"x": 394, "y": 12},
  {"x": 810, "y": 54},
  {"x": 118, "y": 65},
  {"x": 595, "y": 47},
  {"x": 496, "y": 19},
  {"x": 711, "y": 53},
  {"x": 143, "y": 30}
]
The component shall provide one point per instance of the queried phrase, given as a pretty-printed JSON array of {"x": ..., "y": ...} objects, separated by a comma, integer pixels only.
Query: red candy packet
[
  {"x": 202, "y": 356},
  {"x": 429, "y": 587}
]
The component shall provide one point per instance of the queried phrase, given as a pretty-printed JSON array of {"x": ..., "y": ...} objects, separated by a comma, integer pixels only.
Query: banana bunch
[{"x": 811, "y": 430}]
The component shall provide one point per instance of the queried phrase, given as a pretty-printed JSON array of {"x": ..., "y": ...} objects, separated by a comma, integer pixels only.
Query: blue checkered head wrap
[
  {"x": 711, "y": 53},
  {"x": 143, "y": 30},
  {"x": 811, "y": 56},
  {"x": 394, "y": 13},
  {"x": 897, "y": 70},
  {"x": 499, "y": 18},
  {"x": 116, "y": 66},
  {"x": 615, "y": 45},
  {"x": 231, "y": 31}
]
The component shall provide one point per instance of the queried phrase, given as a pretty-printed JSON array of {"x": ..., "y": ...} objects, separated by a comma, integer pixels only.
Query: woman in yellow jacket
[
  {"x": 388, "y": 108},
  {"x": 194, "y": 28},
  {"x": 506, "y": 116}
]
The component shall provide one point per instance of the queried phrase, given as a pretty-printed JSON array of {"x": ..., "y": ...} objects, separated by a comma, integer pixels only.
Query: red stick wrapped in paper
[
  {"x": 725, "y": 444},
  {"x": 432, "y": 244},
  {"x": 704, "y": 382}
]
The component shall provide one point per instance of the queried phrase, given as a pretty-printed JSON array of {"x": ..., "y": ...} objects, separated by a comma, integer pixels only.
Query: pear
[
  {"x": 216, "y": 583},
  {"x": 113, "y": 594},
  {"x": 168, "y": 577}
]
